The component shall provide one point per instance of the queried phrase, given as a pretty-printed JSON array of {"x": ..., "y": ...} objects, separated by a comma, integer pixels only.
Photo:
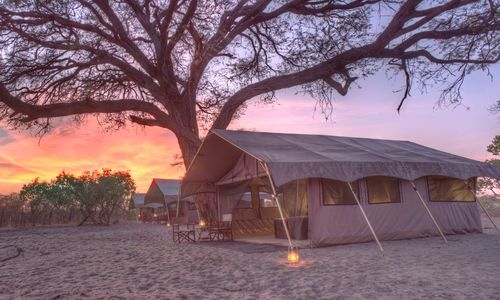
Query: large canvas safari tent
[
  {"x": 334, "y": 190},
  {"x": 163, "y": 195}
]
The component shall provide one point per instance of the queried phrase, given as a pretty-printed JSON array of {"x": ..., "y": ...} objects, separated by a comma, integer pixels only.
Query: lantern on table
[{"x": 202, "y": 224}]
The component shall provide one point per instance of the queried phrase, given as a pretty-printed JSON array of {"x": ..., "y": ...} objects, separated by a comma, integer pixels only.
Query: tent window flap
[
  {"x": 337, "y": 192},
  {"x": 383, "y": 189},
  {"x": 449, "y": 189}
]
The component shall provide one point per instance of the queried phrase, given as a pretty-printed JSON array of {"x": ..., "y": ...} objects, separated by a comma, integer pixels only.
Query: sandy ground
[{"x": 141, "y": 262}]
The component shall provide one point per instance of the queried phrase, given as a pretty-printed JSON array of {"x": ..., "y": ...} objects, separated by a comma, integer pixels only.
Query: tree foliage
[
  {"x": 96, "y": 195},
  {"x": 189, "y": 65},
  {"x": 491, "y": 185}
]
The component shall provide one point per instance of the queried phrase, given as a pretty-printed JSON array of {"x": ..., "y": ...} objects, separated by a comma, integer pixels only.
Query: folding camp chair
[
  {"x": 226, "y": 230},
  {"x": 182, "y": 231},
  {"x": 220, "y": 231}
]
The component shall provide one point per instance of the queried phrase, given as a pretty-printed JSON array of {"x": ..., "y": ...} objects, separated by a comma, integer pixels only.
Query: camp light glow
[
  {"x": 202, "y": 223},
  {"x": 293, "y": 255}
]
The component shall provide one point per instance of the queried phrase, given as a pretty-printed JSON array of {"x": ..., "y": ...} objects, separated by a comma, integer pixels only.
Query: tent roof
[
  {"x": 163, "y": 191},
  {"x": 169, "y": 187},
  {"x": 294, "y": 156},
  {"x": 138, "y": 200}
]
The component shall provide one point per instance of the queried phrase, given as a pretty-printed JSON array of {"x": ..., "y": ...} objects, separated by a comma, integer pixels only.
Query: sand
[{"x": 139, "y": 261}]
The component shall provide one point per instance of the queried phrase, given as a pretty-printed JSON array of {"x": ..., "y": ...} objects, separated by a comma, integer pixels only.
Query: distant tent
[
  {"x": 138, "y": 200},
  {"x": 335, "y": 190},
  {"x": 163, "y": 196}
]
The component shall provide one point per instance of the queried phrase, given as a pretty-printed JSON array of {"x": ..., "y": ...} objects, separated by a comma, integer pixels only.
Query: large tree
[{"x": 188, "y": 65}]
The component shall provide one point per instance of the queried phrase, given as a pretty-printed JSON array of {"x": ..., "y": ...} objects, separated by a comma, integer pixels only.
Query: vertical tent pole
[
  {"x": 166, "y": 208},
  {"x": 480, "y": 204},
  {"x": 218, "y": 203},
  {"x": 275, "y": 196},
  {"x": 428, "y": 211},
  {"x": 178, "y": 200},
  {"x": 366, "y": 218}
]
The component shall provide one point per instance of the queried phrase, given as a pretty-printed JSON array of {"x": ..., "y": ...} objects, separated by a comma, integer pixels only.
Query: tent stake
[
  {"x": 275, "y": 196},
  {"x": 484, "y": 208},
  {"x": 366, "y": 218},
  {"x": 428, "y": 211}
]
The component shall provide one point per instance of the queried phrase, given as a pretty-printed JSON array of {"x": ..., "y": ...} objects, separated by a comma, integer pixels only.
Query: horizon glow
[{"x": 369, "y": 111}]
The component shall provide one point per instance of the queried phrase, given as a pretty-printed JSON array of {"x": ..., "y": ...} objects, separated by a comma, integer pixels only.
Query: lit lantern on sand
[
  {"x": 202, "y": 223},
  {"x": 293, "y": 255},
  {"x": 168, "y": 224}
]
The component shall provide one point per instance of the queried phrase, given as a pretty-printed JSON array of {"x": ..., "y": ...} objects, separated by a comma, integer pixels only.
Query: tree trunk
[{"x": 188, "y": 149}]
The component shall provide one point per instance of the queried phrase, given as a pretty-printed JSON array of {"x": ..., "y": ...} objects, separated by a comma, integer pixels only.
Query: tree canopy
[
  {"x": 492, "y": 185},
  {"x": 96, "y": 195},
  {"x": 189, "y": 65}
]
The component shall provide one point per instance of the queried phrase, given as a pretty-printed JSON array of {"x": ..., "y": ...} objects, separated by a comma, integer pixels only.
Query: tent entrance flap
[
  {"x": 275, "y": 196},
  {"x": 249, "y": 205}
]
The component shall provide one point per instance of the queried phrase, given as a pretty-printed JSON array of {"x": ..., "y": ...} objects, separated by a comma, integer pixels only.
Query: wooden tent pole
[
  {"x": 166, "y": 209},
  {"x": 428, "y": 211},
  {"x": 487, "y": 214},
  {"x": 217, "y": 194},
  {"x": 178, "y": 201},
  {"x": 480, "y": 204},
  {"x": 275, "y": 196},
  {"x": 366, "y": 218}
]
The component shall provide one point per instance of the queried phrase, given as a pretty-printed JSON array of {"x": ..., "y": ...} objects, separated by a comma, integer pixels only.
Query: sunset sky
[{"x": 367, "y": 112}]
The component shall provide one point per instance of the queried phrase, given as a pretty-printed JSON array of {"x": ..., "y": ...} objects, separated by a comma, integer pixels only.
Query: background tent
[
  {"x": 138, "y": 200},
  {"x": 163, "y": 195},
  {"x": 311, "y": 170}
]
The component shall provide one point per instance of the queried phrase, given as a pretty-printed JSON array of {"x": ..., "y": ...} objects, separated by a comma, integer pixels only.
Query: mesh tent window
[
  {"x": 383, "y": 189},
  {"x": 337, "y": 192},
  {"x": 245, "y": 201},
  {"x": 266, "y": 199},
  {"x": 447, "y": 189},
  {"x": 295, "y": 198}
]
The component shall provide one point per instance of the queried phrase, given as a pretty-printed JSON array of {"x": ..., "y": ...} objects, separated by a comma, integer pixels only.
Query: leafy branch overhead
[{"x": 192, "y": 65}]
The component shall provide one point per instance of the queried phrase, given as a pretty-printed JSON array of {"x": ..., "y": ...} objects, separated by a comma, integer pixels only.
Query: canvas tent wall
[
  {"x": 230, "y": 158},
  {"x": 164, "y": 195}
]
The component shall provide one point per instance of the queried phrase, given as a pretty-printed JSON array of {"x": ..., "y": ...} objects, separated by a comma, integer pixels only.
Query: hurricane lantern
[{"x": 293, "y": 255}]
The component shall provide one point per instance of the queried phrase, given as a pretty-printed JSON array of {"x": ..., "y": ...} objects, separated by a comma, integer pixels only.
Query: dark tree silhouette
[{"x": 189, "y": 66}]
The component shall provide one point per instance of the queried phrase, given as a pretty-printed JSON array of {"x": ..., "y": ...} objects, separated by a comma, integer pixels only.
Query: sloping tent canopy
[
  {"x": 162, "y": 190},
  {"x": 138, "y": 200},
  {"x": 294, "y": 156}
]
